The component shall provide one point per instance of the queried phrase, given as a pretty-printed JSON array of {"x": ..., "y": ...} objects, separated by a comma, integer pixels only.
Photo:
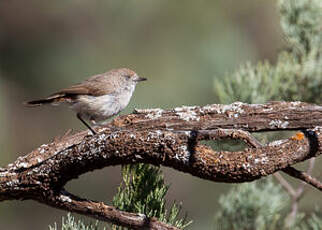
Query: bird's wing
[{"x": 97, "y": 85}]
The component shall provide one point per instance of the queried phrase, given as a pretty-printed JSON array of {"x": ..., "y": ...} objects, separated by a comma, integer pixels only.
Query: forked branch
[{"x": 170, "y": 138}]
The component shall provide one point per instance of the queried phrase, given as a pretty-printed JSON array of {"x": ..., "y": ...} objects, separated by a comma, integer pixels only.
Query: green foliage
[
  {"x": 71, "y": 224},
  {"x": 251, "y": 206},
  {"x": 313, "y": 222},
  {"x": 143, "y": 191},
  {"x": 290, "y": 79},
  {"x": 297, "y": 74},
  {"x": 301, "y": 23},
  {"x": 261, "y": 205}
]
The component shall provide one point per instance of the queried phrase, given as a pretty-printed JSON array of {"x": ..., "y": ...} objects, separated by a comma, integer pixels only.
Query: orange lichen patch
[{"x": 298, "y": 136}]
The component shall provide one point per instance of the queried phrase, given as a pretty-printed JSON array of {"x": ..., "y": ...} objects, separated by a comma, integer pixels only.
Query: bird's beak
[{"x": 140, "y": 79}]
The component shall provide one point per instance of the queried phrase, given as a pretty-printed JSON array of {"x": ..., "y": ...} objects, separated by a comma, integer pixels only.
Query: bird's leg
[{"x": 87, "y": 125}]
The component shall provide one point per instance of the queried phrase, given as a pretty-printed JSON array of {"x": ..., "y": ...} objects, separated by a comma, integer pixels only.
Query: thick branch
[
  {"x": 177, "y": 149},
  {"x": 169, "y": 138},
  {"x": 103, "y": 212},
  {"x": 250, "y": 117}
]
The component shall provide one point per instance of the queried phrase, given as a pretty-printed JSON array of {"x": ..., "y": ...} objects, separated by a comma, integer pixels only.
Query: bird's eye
[{"x": 128, "y": 77}]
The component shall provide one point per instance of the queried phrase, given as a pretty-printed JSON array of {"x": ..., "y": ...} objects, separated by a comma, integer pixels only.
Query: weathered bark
[
  {"x": 170, "y": 138},
  {"x": 249, "y": 117}
]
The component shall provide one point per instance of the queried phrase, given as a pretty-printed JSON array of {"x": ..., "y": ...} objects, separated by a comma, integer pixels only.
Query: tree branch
[
  {"x": 103, "y": 212},
  {"x": 249, "y": 117},
  {"x": 297, "y": 194},
  {"x": 170, "y": 138},
  {"x": 285, "y": 184},
  {"x": 304, "y": 177}
]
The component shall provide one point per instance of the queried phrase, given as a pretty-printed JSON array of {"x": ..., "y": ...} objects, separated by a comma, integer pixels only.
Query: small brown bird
[{"x": 97, "y": 98}]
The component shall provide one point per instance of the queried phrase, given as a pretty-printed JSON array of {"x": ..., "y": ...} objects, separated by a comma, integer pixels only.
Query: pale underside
[
  {"x": 100, "y": 108},
  {"x": 96, "y": 109}
]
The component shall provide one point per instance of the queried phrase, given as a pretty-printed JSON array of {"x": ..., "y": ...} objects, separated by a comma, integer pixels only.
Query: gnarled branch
[{"x": 170, "y": 138}]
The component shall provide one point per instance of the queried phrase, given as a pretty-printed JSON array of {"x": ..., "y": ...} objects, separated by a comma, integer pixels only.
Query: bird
[{"x": 96, "y": 99}]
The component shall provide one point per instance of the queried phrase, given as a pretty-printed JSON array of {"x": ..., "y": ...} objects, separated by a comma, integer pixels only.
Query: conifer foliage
[
  {"x": 143, "y": 190},
  {"x": 297, "y": 75}
]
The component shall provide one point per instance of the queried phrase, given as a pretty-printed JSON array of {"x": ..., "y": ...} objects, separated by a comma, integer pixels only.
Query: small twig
[
  {"x": 304, "y": 177},
  {"x": 284, "y": 183},
  {"x": 300, "y": 190},
  {"x": 298, "y": 194}
]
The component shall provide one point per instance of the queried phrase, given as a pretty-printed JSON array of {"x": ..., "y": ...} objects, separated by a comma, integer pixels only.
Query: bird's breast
[
  {"x": 124, "y": 98},
  {"x": 101, "y": 107}
]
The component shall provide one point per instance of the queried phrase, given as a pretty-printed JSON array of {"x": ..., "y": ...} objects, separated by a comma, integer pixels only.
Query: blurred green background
[{"x": 179, "y": 46}]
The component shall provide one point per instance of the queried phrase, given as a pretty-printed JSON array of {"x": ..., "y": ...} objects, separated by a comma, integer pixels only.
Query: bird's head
[{"x": 128, "y": 76}]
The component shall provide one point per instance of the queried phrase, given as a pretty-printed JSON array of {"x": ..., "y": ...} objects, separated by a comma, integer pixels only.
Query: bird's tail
[
  {"x": 39, "y": 102},
  {"x": 53, "y": 100}
]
